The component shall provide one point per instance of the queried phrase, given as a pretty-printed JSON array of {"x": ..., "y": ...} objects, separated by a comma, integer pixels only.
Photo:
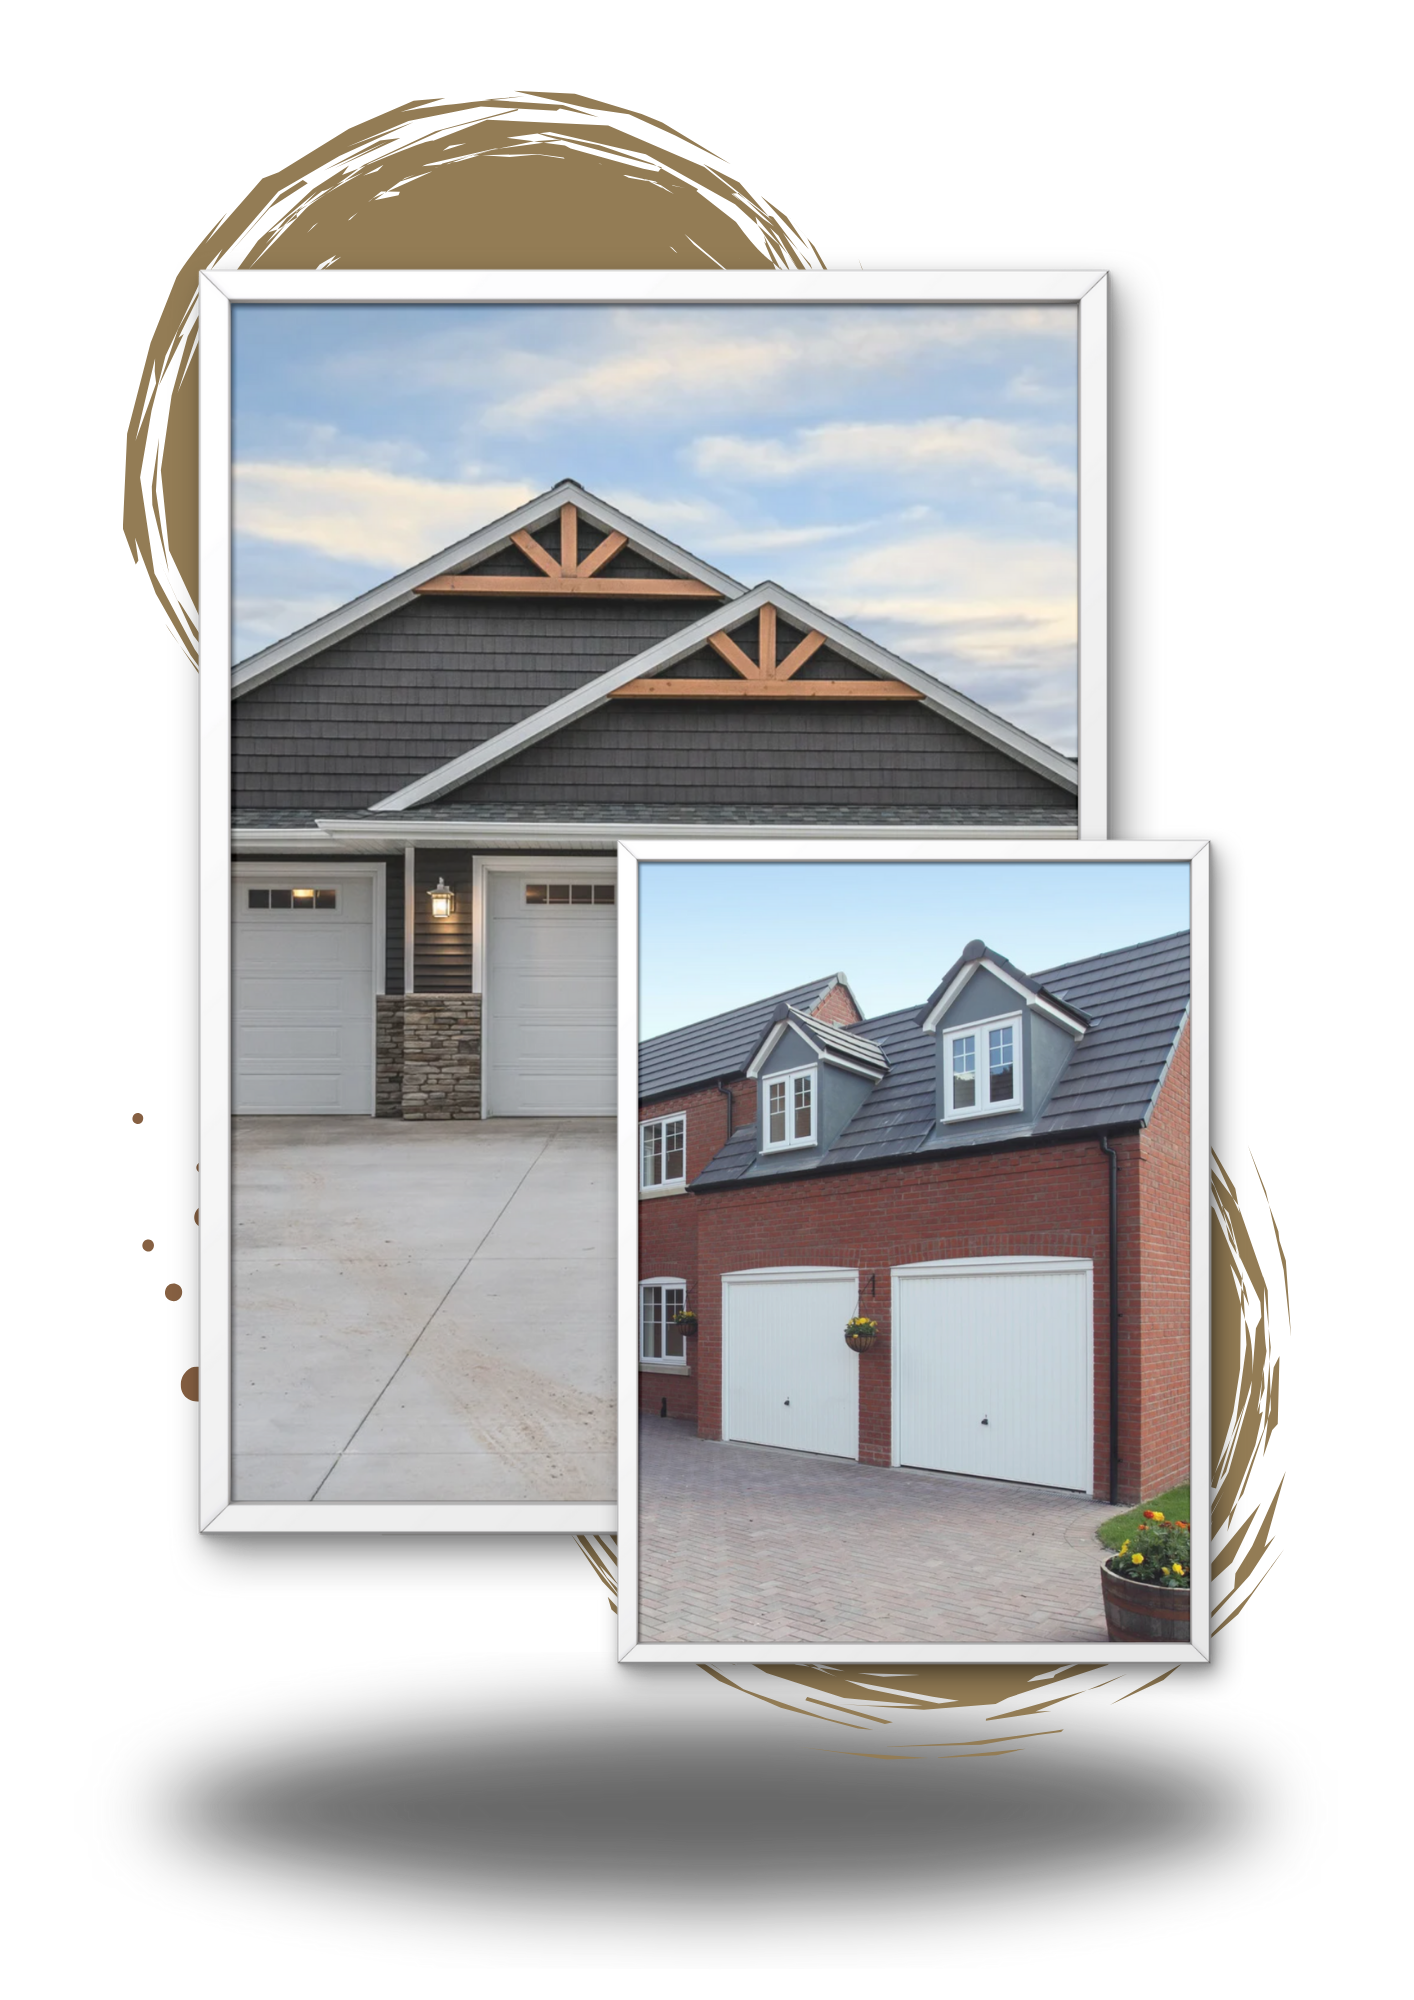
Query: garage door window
[
  {"x": 292, "y": 899},
  {"x": 658, "y": 1339},
  {"x": 547, "y": 893}
]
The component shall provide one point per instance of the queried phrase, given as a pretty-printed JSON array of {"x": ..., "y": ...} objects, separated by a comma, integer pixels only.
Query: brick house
[
  {"x": 428, "y": 784},
  {"x": 999, "y": 1177}
]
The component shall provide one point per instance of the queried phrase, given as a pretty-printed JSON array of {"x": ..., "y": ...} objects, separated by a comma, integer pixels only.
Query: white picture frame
[{"x": 221, "y": 290}]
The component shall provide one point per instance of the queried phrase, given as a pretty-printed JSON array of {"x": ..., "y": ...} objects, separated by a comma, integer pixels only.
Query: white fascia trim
[
  {"x": 969, "y": 715},
  {"x": 582, "y": 833},
  {"x": 857, "y": 1069},
  {"x": 772, "y": 1041},
  {"x": 401, "y": 589},
  {"x": 1032, "y": 1000}
]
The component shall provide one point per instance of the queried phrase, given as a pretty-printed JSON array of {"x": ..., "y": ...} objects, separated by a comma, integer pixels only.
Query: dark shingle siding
[
  {"x": 419, "y": 687},
  {"x": 758, "y": 754},
  {"x": 1136, "y": 1000}
]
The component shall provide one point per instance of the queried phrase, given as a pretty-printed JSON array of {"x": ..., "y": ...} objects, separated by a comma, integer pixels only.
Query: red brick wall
[
  {"x": 1165, "y": 1295},
  {"x": 837, "y": 1009},
  {"x": 1040, "y": 1201}
]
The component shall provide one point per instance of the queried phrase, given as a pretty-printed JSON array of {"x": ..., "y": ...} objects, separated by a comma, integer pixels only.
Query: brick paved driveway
[{"x": 744, "y": 1543}]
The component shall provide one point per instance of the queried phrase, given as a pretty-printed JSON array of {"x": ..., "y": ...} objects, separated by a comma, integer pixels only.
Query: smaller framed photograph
[{"x": 913, "y": 1251}]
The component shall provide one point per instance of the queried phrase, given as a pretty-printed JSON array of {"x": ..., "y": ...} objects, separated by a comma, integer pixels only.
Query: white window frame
[
  {"x": 664, "y": 1186},
  {"x": 661, "y": 1364},
  {"x": 981, "y": 1029},
  {"x": 788, "y": 1077}
]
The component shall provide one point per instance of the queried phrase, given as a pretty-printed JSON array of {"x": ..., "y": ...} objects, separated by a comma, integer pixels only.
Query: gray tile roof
[
  {"x": 851, "y": 1048},
  {"x": 721, "y": 1046},
  {"x": 1135, "y": 1000},
  {"x": 678, "y": 813}
]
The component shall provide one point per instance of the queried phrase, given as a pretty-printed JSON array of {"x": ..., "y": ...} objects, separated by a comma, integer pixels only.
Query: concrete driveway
[
  {"x": 741, "y": 1542},
  {"x": 423, "y": 1311}
]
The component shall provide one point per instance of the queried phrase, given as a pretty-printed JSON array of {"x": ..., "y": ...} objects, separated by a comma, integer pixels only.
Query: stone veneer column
[
  {"x": 441, "y": 1055},
  {"x": 388, "y": 1057}
]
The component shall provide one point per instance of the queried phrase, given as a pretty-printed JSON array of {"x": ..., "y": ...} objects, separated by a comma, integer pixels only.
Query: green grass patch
[{"x": 1173, "y": 1505}]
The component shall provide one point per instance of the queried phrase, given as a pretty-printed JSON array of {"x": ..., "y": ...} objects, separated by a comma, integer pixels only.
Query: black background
[{"x": 271, "y": 1635}]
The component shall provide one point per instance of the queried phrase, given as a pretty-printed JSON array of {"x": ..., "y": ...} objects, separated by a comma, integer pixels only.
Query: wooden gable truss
[
  {"x": 766, "y": 679},
  {"x": 570, "y": 576}
]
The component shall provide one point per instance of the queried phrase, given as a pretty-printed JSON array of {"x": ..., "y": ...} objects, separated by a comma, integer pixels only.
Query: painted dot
[
  {"x": 173, "y": 1292},
  {"x": 148, "y": 1244},
  {"x": 190, "y": 1383},
  {"x": 137, "y": 1118}
]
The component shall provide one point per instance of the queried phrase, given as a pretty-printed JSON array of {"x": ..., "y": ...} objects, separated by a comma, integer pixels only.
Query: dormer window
[
  {"x": 982, "y": 1068},
  {"x": 789, "y": 1115}
]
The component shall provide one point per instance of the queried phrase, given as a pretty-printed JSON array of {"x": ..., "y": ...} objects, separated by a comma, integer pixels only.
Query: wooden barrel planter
[{"x": 1143, "y": 1610}]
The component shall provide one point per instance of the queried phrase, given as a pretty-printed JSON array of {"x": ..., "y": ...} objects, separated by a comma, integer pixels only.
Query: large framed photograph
[
  {"x": 496, "y": 570},
  {"x": 913, "y": 1251}
]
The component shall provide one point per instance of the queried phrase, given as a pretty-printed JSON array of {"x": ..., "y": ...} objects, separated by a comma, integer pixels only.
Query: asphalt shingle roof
[
  {"x": 721, "y": 1046},
  {"x": 683, "y": 813},
  {"x": 1136, "y": 1001}
]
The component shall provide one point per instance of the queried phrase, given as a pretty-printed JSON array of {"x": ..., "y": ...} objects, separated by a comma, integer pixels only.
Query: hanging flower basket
[
  {"x": 861, "y": 1333},
  {"x": 685, "y": 1322},
  {"x": 1145, "y": 1585}
]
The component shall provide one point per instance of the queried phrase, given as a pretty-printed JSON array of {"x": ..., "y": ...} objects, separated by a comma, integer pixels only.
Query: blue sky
[
  {"x": 714, "y": 935},
  {"x": 911, "y": 469}
]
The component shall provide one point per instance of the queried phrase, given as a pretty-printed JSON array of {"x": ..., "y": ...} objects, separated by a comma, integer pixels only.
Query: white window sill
[
  {"x": 657, "y": 1194},
  {"x": 664, "y": 1368}
]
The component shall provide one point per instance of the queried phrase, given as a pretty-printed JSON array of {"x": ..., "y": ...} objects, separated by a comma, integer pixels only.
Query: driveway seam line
[{"x": 412, "y": 1347}]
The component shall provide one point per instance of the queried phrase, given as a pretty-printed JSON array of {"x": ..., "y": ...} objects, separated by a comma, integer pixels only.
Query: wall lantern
[{"x": 444, "y": 901}]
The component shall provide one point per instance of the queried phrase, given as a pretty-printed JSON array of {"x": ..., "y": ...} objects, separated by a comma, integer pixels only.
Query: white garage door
[
  {"x": 303, "y": 994},
  {"x": 788, "y": 1377},
  {"x": 550, "y": 986},
  {"x": 992, "y": 1361}
]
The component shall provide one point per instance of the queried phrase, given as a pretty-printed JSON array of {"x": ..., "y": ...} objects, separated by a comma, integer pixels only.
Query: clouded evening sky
[{"x": 911, "y": 469}]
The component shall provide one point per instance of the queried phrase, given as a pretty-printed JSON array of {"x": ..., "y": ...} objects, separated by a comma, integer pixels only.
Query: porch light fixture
[{"x": 444, "y": 900}]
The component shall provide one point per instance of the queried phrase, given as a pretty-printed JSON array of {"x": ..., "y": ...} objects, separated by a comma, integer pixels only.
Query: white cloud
[
  {"x": 668, "y": 358},
  {"x": 361, "y": 514},
  {"x": 929, "y": 444}
]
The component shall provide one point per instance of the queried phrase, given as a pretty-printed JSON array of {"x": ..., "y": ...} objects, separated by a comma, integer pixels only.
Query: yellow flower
[
  {"x": 1178, "y": 1569},
  {"x": 1136, "y": 1559},
  {"x": 1149, "y": 1515},
  {"x": 1124, "y": 1546}
]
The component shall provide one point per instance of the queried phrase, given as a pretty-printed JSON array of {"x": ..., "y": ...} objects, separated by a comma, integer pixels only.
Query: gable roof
[
  {"x": 488, "y": 541},
  {"x": 722, "y": 1045},
  {"x": 977, "y": 957},
  {"x": 829, "y": 1043},
  {"x": 1135, "y": 1001},
  {"x": 853, "y": 646}
]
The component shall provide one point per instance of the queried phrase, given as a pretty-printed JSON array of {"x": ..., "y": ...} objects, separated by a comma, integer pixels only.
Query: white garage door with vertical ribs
[
  {"x": 787, "y": 1376},
  {"x": 302, "y": 978},
  {"x": 550, "y": 992},
  {"x": 992, "y": 1368}
]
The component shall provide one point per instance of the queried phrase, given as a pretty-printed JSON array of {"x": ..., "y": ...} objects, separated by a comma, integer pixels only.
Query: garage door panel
[
  {"x": 302, "y": 992},
  {"x": 551, "y": 1001},
  {"x": 790, "y": 1380},
  {"x": 994, "y": 1374}
]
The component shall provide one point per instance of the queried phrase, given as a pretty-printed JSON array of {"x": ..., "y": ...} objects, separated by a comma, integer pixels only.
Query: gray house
[{"x": 427, "y": 785}]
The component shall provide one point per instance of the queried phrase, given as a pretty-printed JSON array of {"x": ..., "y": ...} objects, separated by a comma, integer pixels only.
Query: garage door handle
[
  {"x": 986, "y": 1420},
  {"x": 786, "y": 1404}
]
